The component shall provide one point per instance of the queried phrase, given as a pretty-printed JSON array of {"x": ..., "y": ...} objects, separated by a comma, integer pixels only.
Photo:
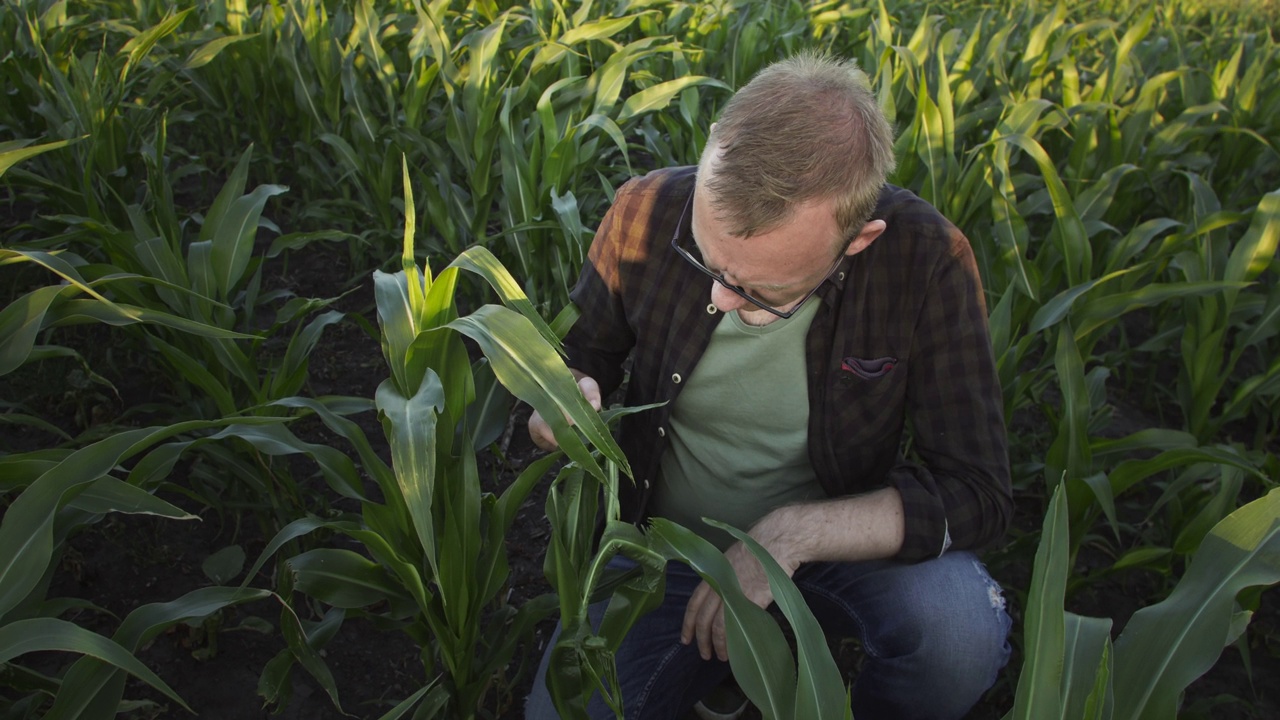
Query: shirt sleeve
[
  {"x": 959, "y": 496},
  {"x": 599, "y": 342}
]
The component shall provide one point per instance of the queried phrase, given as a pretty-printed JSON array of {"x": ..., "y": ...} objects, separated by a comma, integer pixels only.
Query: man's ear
[{"x": 866, "y": 236}]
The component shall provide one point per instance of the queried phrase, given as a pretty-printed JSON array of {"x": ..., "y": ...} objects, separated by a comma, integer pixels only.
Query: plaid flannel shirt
[{"x": 901, "y": 334}]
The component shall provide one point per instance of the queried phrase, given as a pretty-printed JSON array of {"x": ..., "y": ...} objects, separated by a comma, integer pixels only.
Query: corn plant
[
  {"x": 582, "y": 659},
  {"x": 1073, "y": 670},
  {"x": 438, "y": 541},
  {"x": 71, "y": 78},
  {"x": 561, "y": 149},
  {"x": 59, "y": 494},
  {"x": 22, "y": 320},
  {"x": 217, "y": 283},
  {"x": 196, "y": 299},
  {"x": 1208, "y": 360}
]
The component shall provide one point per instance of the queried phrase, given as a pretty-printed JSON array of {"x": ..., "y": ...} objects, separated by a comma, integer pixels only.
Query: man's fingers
[
  {"x": 707, "y": 614},
  {"x": 718, "y": 637},
  {"x": 704, "y": 622},
  {"x": 540, "y": 433},
  {"x": 689, "y": 628},
  {"x": 540, "y": 430},
  {"x": 590, "y": 390}
]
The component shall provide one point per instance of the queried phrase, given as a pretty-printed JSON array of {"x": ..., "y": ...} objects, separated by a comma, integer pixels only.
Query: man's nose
[{"x": 725, "y": 299}]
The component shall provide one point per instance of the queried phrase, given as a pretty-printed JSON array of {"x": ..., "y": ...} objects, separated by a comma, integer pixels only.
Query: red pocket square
[{"x": 869, "y": 369}]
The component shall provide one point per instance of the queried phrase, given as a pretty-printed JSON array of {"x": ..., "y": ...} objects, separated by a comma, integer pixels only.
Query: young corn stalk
[
  {"x": 782, "y": 685},
  {"x": 437, "y": 539},
  {"x": 192, "y": 303}
]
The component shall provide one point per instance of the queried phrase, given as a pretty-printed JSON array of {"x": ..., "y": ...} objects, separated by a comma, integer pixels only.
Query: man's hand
[
  {"x": 540, "y": 431},
  {"x": 704, "y": 615},
  {"x": 848, "y": 529}
]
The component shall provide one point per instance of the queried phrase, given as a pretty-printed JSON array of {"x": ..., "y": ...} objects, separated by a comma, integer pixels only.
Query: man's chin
[{"x": 757, "y": 317}]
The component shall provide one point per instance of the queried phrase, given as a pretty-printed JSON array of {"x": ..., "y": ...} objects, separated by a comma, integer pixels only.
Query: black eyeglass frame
[{"x": 737, "y": 289}]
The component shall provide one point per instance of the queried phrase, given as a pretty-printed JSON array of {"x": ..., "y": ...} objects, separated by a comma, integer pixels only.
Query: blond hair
[{"x": 806, "y": 128}]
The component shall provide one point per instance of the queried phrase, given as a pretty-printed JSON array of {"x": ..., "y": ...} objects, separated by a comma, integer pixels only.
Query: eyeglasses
[{"x": 693, "y": 257}]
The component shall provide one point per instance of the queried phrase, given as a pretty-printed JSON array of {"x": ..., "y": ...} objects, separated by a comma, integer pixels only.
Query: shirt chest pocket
[
  {"x": 869, "y": 399},
  {"x": 872, "y": 376}
]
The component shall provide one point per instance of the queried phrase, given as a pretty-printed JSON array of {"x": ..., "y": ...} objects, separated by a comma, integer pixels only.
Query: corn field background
[{"x": 214, "y": 217}]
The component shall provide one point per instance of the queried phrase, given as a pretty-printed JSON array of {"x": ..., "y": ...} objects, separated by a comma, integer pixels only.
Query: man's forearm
[{"x": 848, "y": 529}]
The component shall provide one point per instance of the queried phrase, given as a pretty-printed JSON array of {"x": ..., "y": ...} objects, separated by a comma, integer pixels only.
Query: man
[{"x": 795, "y": 311}]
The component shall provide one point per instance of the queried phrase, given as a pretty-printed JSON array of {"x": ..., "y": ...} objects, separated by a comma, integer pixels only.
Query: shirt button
[
  {"x": 842, "y": 275},
  {"x": 662, "y": 432},
  {"x": 711, "y": 309},
  {"x": 646, "y": 483},
  {"x": 676, "y": 378}
]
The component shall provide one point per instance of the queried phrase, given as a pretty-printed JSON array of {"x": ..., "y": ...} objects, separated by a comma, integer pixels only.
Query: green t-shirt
[{"x": 739, "y": 430}]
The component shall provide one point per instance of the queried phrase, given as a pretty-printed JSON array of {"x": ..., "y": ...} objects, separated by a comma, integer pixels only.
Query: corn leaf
[
  {"x": 205, "y": 54},
  {"x": 45, "y": 634},
  {"x": 158, "y": 258},
  {"x": 1086, "y": 677},
  {"x": 20, "y": 322},
  {"x": 1068, "y": 458},
  {"x": 528, "y": 366},
  {"x": 407, "y": 704},
  {"x": 233, "y": 236},
  {"x": 277, "y": 440},
  {"x": 482, "y": 262},
  {"x": 332, "y": 411},
  {"x": 398, "y": 319},
  {"x": 232, "y": 189},
  {"x": 1167, "y": 645},
  {"x": 1089, "y": 696},
  {"x": 1038, "y": 695},
  {"x": 410, "y": 426},
  {"x": 13, "y": 152},
  {"x": 195, "y": 373},
  {"x": 307, "y": 654},
  {"x": 1130, "y": 472},
  {"x": 636, "y": 596},
  {"x": 820, "y": 687},
  {"x": 758, "y": 653},
  {"x": 487, "y": 417},
  {"x": 659, "y": 96},
  {"x": 294, "y": 530},
  {"x": 342, "y": 578},
  {"x": 293, "y": 368},
  {"x": 1057, "y": 308},
  {"x": 140, "y": 46},
  {"x": 1257, "y": 248},
  {"x": 555, "y": 49},
  {"x": 1096, "y": 313},
  {"x": 91, "y": 689},
  {"x": 78, "y": 311},
  {"x": 1076, "y": 250},
  {"x": 26, "y": 531},
  {"x": 110, "y": 495}
]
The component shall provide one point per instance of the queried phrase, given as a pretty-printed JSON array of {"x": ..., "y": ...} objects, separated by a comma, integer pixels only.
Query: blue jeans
[{"x": 934, "y": 634}]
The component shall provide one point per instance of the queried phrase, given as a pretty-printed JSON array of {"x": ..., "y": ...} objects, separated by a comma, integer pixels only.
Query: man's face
[{"x": 778, "y": 267}]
